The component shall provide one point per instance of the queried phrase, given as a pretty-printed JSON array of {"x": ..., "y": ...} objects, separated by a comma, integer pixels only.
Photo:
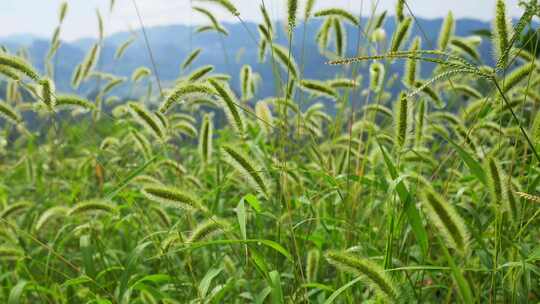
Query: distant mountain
[
  {"x": 171, "y": 44},
  {"x": 19, "y": 39}
]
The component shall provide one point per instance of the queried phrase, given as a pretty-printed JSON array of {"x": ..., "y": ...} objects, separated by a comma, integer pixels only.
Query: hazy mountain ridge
[{"x": 171, "y": 44}]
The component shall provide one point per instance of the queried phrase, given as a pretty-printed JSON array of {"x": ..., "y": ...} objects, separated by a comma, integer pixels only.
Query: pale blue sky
[{"x": 39, "y": 17}]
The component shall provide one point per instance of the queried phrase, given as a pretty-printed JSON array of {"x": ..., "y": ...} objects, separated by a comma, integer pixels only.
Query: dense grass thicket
[{"x": 198, "y": 192}]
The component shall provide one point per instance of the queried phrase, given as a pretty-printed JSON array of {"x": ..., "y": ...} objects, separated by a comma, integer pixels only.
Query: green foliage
[
  {"x": 447, "y": 31},
  {"x": 340, "y": 14},
  {"x": 209, "y": 193},
  {"x": 374, "y": 274}
]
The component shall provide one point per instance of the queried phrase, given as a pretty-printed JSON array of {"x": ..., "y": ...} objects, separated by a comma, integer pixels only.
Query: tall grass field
[{"x": 370, "y": 186}]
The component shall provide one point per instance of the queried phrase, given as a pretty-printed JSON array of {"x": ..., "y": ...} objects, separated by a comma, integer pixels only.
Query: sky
[{"x": 40, "y": 17}]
